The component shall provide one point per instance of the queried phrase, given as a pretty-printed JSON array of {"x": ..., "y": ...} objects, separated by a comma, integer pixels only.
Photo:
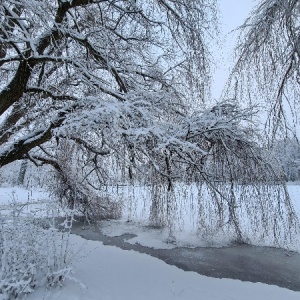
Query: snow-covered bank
[
  {"x": 105, "y": 272},
  {"x": 109, "y": 273}
]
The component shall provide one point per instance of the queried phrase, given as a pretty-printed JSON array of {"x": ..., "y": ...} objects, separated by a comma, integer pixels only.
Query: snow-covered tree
[
  {"x": 267, "y": 69},
  {"x": 87, "y": 84},
  {"x": 100, "y": 77},
  {"x": 108, "y": 66}
]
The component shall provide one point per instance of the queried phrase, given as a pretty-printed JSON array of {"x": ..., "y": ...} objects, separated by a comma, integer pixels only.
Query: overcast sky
[{"x": 233, "y": 14}]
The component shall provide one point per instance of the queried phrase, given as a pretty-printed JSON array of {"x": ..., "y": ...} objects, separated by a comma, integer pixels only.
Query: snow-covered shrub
[
  {"x": 88, "y": 202},
  {"x": 106, "y": 207},
  {"x": 31, "y": 254}
]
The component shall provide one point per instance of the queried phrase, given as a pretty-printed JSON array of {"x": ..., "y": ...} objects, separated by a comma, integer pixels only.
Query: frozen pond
[{"x": 247, "y": 263}]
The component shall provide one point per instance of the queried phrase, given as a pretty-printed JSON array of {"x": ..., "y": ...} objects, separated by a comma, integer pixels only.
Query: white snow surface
[
  {"x": 35, "y": 202},
  {"x": 9, "y": 195},
  {"x": 109, "y": 273}
]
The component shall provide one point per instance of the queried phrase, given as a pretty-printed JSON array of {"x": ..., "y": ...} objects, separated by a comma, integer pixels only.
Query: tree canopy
[
  {"x": 72, "y": 64},
  {"x": 267, "y": 69},
  {"x": 85, "y": 84}
]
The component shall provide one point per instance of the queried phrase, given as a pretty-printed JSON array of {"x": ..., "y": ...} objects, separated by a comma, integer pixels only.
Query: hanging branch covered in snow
[
  {"x": 267, "y": 68},
  {"x": 101, "y": 87}
]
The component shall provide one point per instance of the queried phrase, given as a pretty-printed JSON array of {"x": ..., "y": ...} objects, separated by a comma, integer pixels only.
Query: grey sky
[{"x": 233, "y": 14}]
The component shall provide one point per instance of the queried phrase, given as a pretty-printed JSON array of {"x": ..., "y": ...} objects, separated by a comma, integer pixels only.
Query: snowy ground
[
  {"x": 9, "y": 195},
  {"x": 109, "y": 273},
  {"x": 34, "y": 201},
  {"x": 30, "y": 200}
]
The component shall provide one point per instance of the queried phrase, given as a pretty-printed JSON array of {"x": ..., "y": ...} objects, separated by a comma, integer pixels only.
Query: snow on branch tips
[{"x": 109, "y": 92}]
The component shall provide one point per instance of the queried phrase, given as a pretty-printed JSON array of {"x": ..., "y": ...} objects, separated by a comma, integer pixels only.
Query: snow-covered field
[
  {"x": 9, "y": 195},
  {"x": 106, "y": 272},
  {"x": 109, "y": 273},
  {"x": 30, "y": 200}
]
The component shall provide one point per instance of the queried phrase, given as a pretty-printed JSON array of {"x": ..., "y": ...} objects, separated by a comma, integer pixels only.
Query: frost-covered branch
[
  {"x": 267, "y": 67},
  {"x": 56, "y": 52},
  {"x": 19, "y": 148}
]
